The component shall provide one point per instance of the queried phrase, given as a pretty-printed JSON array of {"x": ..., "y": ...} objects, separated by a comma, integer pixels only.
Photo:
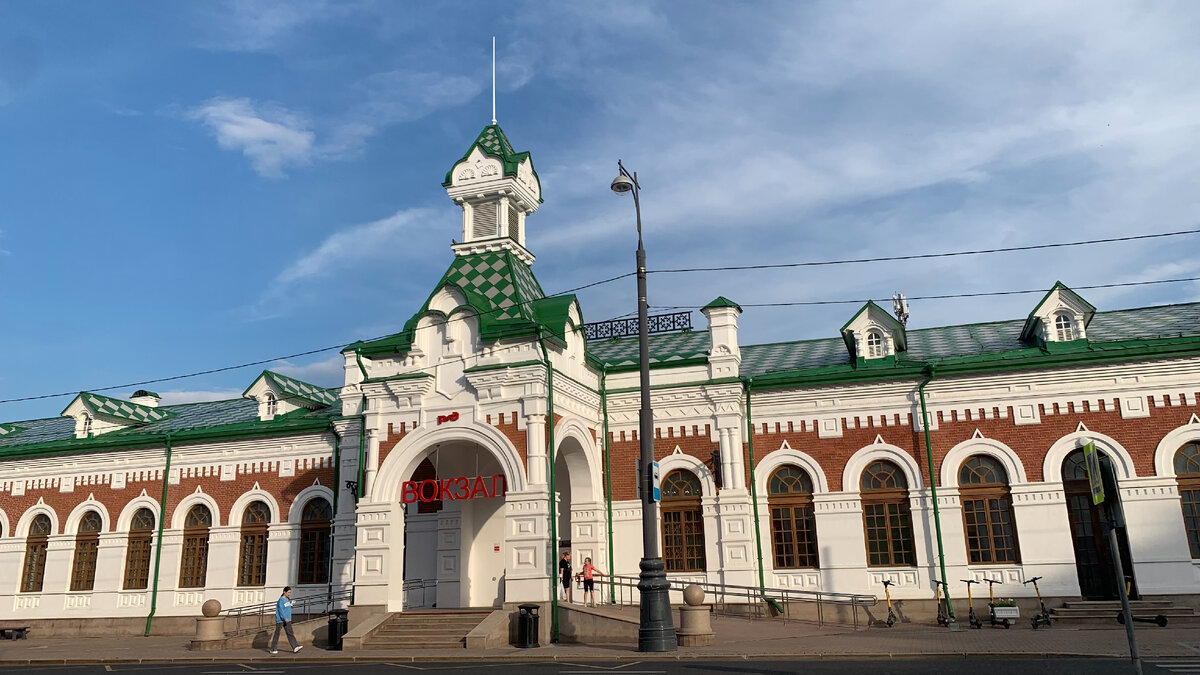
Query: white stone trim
[
  {"x": 1164, "y": 455},
  {"x": 981, "y": 446},
  {"x": 296, "y": 510},
  {"x": 71, "y": 526},
  {"x": 679, "y": 460},
  {"x": 22, "y": 529},
  {"x": 185, "y": 504},
  {"x": 408, "y": 453},
  {"x": 777, "y": 458},
  {"x": 250, "y": 496},
  {"x": 852, "y": 474},
  {"x": 1052, "y": 465},
  {"x": 3, "y": 524},
  {"x": 573, "y": 428},
  {"x": 125, "y": 519}
]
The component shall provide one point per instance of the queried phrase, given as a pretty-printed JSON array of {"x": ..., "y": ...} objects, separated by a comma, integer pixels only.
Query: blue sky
[{"x": 190, "y": 186}]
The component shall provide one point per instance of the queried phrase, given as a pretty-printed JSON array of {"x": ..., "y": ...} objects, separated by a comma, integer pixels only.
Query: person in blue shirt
[{"x": 283, "y": 621}]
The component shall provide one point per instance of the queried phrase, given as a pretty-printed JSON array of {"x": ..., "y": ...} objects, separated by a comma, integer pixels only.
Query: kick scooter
[
  {"x": 992, "y": 605},
  {"x": 972, "y": 620},
  {"x": 1042, "y": 618},
  {"x": 943, "y": 617},
  {"x": 891, "y": 618}
]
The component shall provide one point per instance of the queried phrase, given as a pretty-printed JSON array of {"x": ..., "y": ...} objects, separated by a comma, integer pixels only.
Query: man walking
[{"x": 283, "y": 621}]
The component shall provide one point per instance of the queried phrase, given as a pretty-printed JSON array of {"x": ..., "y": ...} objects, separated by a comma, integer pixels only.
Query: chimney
[{"x": 146, "y": 398}]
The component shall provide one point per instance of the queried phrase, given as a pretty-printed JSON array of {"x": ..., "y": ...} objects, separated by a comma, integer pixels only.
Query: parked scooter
[
  {"x": 972, "y": 620},
  {"x": 1042, "y": 618},
  {"x": 891, "y": 617},
  {"x": 943, "y": 615},
  {"x": 1007, "y": 623}
]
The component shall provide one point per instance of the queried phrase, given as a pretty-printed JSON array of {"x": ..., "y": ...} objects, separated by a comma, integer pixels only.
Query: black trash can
[
  {"x": 337, "y": 628},
  {"x": 527, "y": 626}
]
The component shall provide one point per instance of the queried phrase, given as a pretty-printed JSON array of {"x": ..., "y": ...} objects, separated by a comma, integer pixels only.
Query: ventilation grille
[
  {"x": 514, "y": 223},
  {"x": 483, "y": 224}
]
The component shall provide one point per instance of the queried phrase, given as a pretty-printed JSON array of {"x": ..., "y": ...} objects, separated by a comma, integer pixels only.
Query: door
[{"x": 1089, "y": 538}]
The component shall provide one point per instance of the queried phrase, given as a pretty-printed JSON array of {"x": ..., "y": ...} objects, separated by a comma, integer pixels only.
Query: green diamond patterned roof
[
  {"x": 983, "y": 341},
  {"x": 183, "y": 421},
  {"x": 500, "y": 289},
  {"x": 302, "y": 390},
  {"x": 115, "y": 407},
  {"x": 492, "y": 142}
]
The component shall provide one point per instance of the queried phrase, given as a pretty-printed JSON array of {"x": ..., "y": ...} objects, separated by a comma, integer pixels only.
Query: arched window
[
  {"x": 1064, "y": 328},
  {"x": 87, "y": 425},
  {"x": 252, "y": 566},
  {"x": 793, "y": 527},
  {"x": 193, "y": 571},
  {"x": 272, "y": 405},
  {"x": 87, "y": 542},
  {"x": 987, "y": 511},
  {"x": 874, "y": 344},
  {"x": 1187, "y": 472},
  {"x": 34, "y": 569},
  {"x": 137, "y": 554},
  {"x": 682, "y": 523},
  {"x": 887, "y": 520},
  {"x": 315, "y": 528}
]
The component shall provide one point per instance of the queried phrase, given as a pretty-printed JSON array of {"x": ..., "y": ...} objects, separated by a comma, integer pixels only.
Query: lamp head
[{"x": 622, "y": 184}]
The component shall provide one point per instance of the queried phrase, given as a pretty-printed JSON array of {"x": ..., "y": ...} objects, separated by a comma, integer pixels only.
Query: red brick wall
[{"x": 625, "y": 449}]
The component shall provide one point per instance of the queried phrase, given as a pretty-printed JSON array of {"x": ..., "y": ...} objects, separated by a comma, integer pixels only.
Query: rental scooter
[
  {"x": 1042, "y": 618},
  {"x": 943, "y": 616},
  {"x": 972, "y": 620},
  {"x": 1007, "y": 623},
  {"x": 891, "y": 617}
]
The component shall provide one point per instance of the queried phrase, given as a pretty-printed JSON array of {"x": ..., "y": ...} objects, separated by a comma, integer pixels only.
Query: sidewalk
[{"x": 736, "y": 639}]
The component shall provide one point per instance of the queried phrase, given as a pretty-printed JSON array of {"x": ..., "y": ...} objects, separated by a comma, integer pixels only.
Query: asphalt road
[{"x": 634, "y": 667}]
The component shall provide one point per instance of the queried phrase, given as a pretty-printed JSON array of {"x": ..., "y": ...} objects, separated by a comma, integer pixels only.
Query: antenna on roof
[
  {"x": 493, "y": 79},
  {"x": 900, "y": 307}
]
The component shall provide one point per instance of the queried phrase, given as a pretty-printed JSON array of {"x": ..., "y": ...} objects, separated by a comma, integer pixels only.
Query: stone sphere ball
[
  {"x": 693, "y": 595},
  {"x": 211, "y": 608}
]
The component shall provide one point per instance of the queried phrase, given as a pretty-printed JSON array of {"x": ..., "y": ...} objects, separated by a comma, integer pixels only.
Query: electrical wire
[{"x": 924, "y": 256}]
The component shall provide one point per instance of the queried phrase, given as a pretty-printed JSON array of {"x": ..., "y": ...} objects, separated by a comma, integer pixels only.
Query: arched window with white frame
[
  {"x": 272, "y": 405},
  {"x": 87, "y": 425},
  {"x": 1064, "y": 327},
  {"x": 33, "y": 572},
  {"x": 875, "y": 345}
]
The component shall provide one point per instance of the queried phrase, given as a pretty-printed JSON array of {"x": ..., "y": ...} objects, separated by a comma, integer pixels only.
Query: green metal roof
[
  {"x": 721, "y": 301},
  {"x": 293, "y": 388},
  {"x": 115, "y": 407},
  {"x": 1111, "y": 332},
  {"x": 232, "y": 418},
  {"x": 492, "y": 142},
  {"x": 500, "y": 289}
]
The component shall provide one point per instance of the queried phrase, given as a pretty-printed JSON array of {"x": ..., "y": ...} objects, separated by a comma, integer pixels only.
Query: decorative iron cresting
[{"x": 657, "y": 323}]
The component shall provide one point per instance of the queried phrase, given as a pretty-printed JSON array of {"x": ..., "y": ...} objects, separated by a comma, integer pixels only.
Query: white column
[
  {"x": 1158, "y": 544},
  {"x": 733, "y": 465},
  {"x": 1044, "y": 536},
  {"x": 535, "y": 449},
  {"x": 372, "y": 459},
  {"x": 528, "y": 551}
]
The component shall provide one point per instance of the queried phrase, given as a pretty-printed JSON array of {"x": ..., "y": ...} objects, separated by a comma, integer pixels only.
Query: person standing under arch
[
  {"x": 564, "y": 573},
  {"x": 589, "y": 581}
]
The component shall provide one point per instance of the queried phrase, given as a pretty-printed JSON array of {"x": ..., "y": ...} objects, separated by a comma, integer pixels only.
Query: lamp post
[{"x": 656, "y": 632}]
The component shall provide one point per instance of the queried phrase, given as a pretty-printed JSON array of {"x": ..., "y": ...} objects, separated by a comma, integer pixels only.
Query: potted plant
[{"x": 1005, "y": 608}]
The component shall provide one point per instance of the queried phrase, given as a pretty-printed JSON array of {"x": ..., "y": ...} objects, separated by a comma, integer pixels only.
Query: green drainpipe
[
  {"x": 762, "y": 580},
  {"x": 362, "y": 447},
  {"x": 162, "y": 517},
  {"x": 612, "y": 588},
  {"x": 553, "y": 499},
  {"x": 337, "y": 473},
  {"x": 937, "y": 517}
]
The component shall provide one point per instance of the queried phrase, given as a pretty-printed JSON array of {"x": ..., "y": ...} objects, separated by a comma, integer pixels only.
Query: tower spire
[{"x": 493, "y": 79}]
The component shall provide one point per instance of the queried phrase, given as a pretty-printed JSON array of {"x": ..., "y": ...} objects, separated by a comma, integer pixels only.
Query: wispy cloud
[
  {"x": 269, "y": 136},
  {"x": 178, "y": 396},
  {"x": 257, "y": 26},
  {"x": 328, "y": 372}
]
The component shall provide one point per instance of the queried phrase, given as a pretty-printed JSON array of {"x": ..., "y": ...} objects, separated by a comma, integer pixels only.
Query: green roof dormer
[{"x": 721, "y": 301}]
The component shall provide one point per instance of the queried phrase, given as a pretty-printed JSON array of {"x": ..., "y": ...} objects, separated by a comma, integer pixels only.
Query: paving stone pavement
[{"x": 736, "y": 638}]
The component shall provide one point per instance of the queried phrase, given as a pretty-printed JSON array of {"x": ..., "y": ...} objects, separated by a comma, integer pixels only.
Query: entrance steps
[
  {"x": 1104, "y": 612},
  {"x": 430, "y": 629}
]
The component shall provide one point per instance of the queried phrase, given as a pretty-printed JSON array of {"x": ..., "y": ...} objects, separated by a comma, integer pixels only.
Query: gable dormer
[
  {"x": 497, "y": 188},
  {"x": 873, "y": 335},
  {"x": 279, "y": 395},
  {"x": 1061, "y": 317},
  {"x": 96, "y": 414}
]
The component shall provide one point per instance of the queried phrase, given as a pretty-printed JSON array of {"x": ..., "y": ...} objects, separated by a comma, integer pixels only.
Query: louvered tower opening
[
  {"x": 514, "y": 223},
  {"x": 483, "y": 223}
]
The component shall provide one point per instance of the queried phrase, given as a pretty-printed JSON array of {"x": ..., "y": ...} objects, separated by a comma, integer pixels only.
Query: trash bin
[
  {"x": 527, "y": 626},
  {"x": 337, "y": 628}
]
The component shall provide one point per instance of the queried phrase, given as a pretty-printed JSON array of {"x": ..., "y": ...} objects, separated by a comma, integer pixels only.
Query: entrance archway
[
  {"x": 1089, "y": 539},
  {"x": 579, "y": 497}
]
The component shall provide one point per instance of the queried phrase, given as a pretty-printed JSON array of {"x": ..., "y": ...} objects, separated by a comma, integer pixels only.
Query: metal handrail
[
  {"x": 253, "y": 618},
  {"x": 413, "y": 586},
  {"x": 749, "y": 601}
]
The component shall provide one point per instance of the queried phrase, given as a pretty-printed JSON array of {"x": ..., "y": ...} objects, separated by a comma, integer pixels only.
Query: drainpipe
[
  {"x": 762, "y": 581},
  {"x": 553, "y": 497},
  {"x": 337, "y": 489},
  {"x": 362, "y": 447},
  {"x": 612, "y": 588},
  {"x": 937, "y": 517},
  {"x": 162, "y": 517}
]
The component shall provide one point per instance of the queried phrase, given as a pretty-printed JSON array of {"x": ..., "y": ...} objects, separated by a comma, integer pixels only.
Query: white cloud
[
  {"x": 329, "y": 372},
  {"x": 269, "y": 136},
  {"x": 178, "y": 396},
  {"x": 234, "y": 25}
]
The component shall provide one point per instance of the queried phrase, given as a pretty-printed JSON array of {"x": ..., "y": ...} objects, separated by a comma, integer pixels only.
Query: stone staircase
[
  {"x": 426, "y": 629},
  {"x": 1104, "y": 612}
]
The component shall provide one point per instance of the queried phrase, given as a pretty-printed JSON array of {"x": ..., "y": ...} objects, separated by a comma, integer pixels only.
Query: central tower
[{"x": 497, "y": 188}]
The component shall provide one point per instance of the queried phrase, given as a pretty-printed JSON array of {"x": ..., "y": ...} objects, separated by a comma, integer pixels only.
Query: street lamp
[{"x": 656, "y": 633}]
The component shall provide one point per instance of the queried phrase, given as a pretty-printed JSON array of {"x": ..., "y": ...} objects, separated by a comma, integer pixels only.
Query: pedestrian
[
  {"x": 283, "y": 621},
  {"x": 564, "y": 571},
  {"x": 589, "y": 582}
]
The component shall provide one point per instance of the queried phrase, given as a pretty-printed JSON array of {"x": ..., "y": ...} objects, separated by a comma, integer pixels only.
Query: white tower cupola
[{"x": 497, "y": 188}]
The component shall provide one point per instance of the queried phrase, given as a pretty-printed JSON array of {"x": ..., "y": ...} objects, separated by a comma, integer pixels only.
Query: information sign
[{"x": 1091, "y": 459}]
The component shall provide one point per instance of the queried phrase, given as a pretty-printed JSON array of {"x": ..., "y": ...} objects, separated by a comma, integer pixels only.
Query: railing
[
  {"x": 753, "y": 602},
  {"x": 253, "y": 618},
  {"x": 418, "y": 592},
  {"x": 657, "y": 323}
]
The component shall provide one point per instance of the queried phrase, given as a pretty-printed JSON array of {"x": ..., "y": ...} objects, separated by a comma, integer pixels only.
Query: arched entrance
[
  {"x": 579, "y": 514},
  {"x": 1089, "y": 539}
]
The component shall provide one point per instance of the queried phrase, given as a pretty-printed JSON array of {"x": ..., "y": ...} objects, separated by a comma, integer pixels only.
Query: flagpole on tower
[{"x": 493, "y": 79}]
